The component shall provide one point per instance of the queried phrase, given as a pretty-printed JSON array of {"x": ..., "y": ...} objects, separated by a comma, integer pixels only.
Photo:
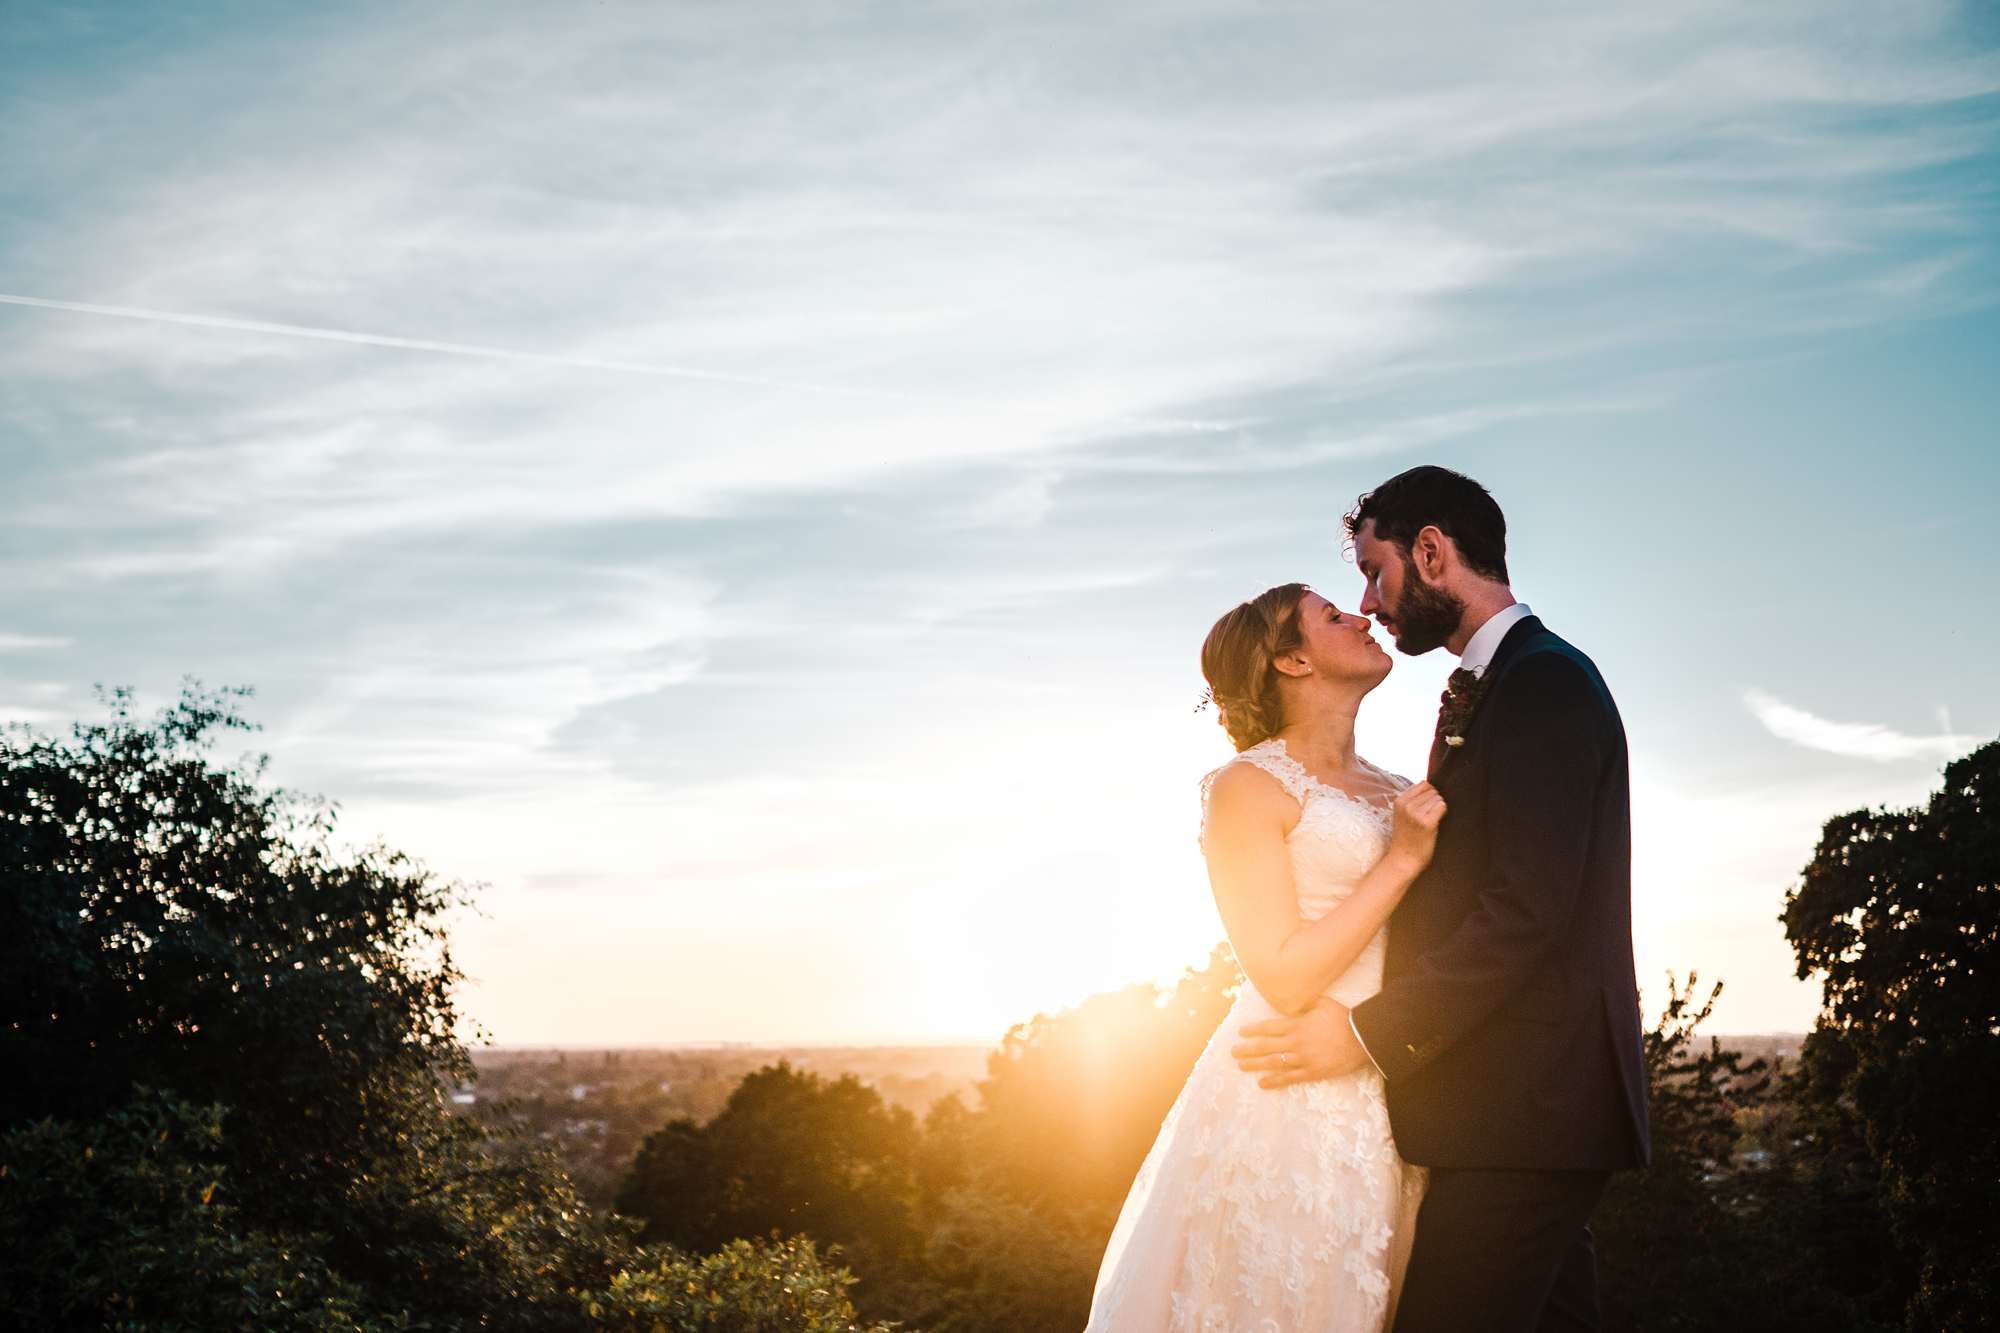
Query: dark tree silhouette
[
  {"x": 169, "y": 924},
  {"x": 1898, "y": 914},
  {"x": 790, "y": 1153}
]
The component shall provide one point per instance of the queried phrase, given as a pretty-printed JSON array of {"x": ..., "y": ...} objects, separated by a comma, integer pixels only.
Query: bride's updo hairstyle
[{"x": 1237, "y": 656}]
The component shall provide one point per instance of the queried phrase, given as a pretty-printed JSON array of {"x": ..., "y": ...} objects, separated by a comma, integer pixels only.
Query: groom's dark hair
[{"x": 1452, "y": 502}]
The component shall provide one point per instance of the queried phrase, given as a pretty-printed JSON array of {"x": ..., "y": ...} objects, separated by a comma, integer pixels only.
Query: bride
[{"x": 1288, "y": 1208}]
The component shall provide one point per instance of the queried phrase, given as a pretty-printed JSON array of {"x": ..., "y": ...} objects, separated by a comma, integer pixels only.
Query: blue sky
[{"x": 749, "y": 482}]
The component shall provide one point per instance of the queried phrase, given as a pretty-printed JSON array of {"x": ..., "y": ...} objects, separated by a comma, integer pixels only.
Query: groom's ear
[{"x": 1431, "y": 552}]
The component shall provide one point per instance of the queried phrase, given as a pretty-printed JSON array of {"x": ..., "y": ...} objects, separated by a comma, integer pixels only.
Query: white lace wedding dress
[{"x": 1273, "y": 1211}]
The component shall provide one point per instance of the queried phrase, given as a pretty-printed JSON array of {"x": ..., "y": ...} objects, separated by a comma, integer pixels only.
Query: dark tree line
[
  {"x": 224, "y": 1044},
  {"x": 1898, "y": 913}
]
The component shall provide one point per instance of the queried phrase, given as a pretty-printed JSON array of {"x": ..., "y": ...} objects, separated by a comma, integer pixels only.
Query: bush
[
  {"x": 128, "y": 1222},
  {"x": 783, "y": 1287}
]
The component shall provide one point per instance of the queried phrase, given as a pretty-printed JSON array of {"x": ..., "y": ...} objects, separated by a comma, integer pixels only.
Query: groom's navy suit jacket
[{"x": 1507, "y": 1026}]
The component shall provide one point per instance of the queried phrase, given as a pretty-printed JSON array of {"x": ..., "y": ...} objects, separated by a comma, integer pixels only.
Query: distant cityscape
[{"x": 595, "y": 1107}]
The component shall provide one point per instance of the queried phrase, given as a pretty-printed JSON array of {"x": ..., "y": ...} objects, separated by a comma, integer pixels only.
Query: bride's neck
[{"x": 1322, "y": 738}]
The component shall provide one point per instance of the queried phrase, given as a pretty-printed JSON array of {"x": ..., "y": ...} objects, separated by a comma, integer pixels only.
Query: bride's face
[{"x": 1338, "y": 644}]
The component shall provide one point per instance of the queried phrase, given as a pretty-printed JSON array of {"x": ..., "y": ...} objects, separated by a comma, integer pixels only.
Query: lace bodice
[{"x": 1338, "y": 839}]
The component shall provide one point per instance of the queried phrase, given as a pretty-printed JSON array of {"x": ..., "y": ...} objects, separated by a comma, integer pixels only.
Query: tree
[
  {"x": 993, "y": 1265},
  {"x": 167, "y": 923},
  {"x": 1021, "y": 1193},
  {"x": 790, "y": 1153},
  {"x": 1072, "y": 1101},
  {"x": 129, "y": 1221},
  {"x": 1702, "y": 1236},
  {"x": 226, "y": 1040},
  {"x": 1898, "y": 913}
]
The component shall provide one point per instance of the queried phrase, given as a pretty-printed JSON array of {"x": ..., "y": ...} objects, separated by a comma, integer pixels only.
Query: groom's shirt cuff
[{"x": 1355, "y": 1028}]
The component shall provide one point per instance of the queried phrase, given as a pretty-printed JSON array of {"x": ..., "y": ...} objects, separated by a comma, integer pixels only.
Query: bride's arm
[{"x": 1292, "y": 962}]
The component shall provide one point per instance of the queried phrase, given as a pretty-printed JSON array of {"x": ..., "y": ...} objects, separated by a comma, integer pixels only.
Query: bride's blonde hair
[{"x": 1237, "y": 656}]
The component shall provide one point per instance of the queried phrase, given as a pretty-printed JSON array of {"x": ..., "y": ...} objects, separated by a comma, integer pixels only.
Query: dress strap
[{"x": 1271, "y": 757}]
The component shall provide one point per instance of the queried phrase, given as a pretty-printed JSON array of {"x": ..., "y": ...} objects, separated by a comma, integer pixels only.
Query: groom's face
[{"x": 1420, "y": 616}]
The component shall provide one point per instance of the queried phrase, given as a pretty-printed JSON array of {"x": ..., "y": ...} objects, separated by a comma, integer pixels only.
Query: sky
[{"x": 747, "y": 484}]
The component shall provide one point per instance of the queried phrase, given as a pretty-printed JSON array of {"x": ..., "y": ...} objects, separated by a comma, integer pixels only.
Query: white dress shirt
[
  {"x": 1478, "y": 655},
  {"x": 1485, "y": 640}
]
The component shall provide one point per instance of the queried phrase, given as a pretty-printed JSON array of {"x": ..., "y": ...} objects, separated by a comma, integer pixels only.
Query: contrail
[{"x": 550, "y": 359}]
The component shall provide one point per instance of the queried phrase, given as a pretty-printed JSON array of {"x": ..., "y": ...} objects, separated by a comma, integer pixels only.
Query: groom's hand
[{"x": 1319, "y": 1043}]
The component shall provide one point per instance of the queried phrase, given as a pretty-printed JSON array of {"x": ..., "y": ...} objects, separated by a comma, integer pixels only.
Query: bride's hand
[{"x": 1418, "y": 812}]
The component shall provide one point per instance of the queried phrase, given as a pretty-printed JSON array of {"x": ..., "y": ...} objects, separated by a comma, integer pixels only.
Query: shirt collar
[{"x": 1485, "y": 641}]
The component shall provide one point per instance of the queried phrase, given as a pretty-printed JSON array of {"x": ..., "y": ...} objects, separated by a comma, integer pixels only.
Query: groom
[{"x": 1507, "y": 1027}]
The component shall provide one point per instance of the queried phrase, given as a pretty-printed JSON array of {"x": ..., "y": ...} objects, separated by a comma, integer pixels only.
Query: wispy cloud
[
  {"x": 589, "y": 417},
  {"x": 1857, "y": 740},
  {"x": 816, "y": 253},
  {"x": 359, "y": 339}
]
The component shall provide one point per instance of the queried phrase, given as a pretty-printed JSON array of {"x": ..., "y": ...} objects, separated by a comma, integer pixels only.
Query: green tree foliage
[
  {"x": 994, "y": 1264},
  {"x": 790, "y": 1152},
  {"x": 129, "y": 1221},
  {"x": 1898, "y": 913},
  {"x": 781, "y": 1287},
  {"x": 225, "y": 1039},
  {"x": 167, "y": 923}
]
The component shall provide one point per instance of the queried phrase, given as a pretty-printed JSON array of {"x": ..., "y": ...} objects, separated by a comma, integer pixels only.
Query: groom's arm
[{"x": 1551, "y": 736}]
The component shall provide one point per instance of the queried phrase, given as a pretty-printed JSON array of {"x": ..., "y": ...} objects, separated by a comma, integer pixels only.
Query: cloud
[
  {"x": 567, "y": 425},
  {"x": 353, "y": 337},
  {"x": 1017, "y": 505},
  {"x": 1857, "y": 740},
  {"x": 821, "y": 251}
]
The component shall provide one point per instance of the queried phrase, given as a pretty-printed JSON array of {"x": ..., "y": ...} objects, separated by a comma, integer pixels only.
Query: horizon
[
  {"x": 749, "y": 490},
  {"x": 968, "y": 1044}
]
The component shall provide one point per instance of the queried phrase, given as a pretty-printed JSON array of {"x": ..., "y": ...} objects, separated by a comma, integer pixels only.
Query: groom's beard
[{"x": 1426, "y": 616}]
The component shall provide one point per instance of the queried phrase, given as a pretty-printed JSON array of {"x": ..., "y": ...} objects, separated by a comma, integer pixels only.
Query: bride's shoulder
[
  {"x": 1237, "y": 774},
  {"x": 1252, "y": 777},
  {"x": 1244, "y": 794}
]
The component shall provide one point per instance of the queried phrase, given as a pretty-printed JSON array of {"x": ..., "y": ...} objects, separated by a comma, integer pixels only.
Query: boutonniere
[{"x": 1461, "y": 696}]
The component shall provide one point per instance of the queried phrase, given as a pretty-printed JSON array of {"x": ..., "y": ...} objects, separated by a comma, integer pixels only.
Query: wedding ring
[{"x": 1285, "y": 1058}]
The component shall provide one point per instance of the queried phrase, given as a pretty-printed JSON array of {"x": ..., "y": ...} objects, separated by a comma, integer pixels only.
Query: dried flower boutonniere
[{"x": 1461, "y": 696}]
